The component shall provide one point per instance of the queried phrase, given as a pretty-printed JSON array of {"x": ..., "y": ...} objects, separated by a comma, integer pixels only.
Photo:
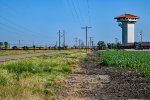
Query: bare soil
[{"x": 90, "y": 80}]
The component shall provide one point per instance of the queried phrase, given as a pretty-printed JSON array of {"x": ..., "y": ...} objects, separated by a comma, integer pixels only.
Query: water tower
[{"x": 126, "y": 22}]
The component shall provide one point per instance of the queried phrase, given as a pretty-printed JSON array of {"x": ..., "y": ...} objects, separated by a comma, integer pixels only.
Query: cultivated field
[
  {"x": 138, "y": 60},
  {"x": 76, "y": 75},
  {"x": 36, "y": 78},
  {"x": 93, "y": 80}
]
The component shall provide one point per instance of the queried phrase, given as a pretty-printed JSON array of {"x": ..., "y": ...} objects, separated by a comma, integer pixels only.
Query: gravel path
[
  {"x": 14, "y": 57},
  {"x": 92, "y": 81}
]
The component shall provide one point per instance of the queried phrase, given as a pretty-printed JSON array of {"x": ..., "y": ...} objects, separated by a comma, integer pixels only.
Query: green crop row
[{"x": 139, "y": 60}]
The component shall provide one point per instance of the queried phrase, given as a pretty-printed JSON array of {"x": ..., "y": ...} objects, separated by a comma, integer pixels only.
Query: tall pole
[
  {"x": 141, "y": 39},
  {"x": 76, "y": 42},
  {"x": 141, "y": 36},
  {"x": 33, "y": 46},
  {"x": 19, "y": 44},
  {"x": 86, "y": 38},
  {"x": 86, "y": 30},
  {"x": 64, "y": 38},
  {"x": 59, "y": 39},
  {"x": 79, "y": 42},
  {"x": 33, "y": 43},
  {"x": 91, "y": 41},
  {"x": 56, "y": 44}
]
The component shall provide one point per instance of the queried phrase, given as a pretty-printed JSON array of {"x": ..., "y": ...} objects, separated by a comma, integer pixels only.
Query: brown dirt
[{"x": 92, "y": 81}]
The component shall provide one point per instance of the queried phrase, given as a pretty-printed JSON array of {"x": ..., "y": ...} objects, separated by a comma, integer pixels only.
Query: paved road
[{"x": 14, "y": 57}]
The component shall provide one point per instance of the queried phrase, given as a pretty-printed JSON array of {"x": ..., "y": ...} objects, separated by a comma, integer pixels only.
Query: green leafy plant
[{"x": 139, "y": 60}]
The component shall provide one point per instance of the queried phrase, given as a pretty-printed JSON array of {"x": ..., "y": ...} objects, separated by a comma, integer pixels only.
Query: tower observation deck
[{"x": 127, "y": 22}]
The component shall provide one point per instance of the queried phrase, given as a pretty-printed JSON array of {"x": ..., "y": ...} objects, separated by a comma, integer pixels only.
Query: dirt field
[{"x": 92, "y": 81}]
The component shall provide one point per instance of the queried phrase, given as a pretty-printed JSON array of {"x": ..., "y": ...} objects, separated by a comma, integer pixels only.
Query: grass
[
  {"x": 36, "y": 78},
  {"x": 137, "y": 60},
  {"x": 17, "y": 52},
  {"x": 3, "y": 81}
]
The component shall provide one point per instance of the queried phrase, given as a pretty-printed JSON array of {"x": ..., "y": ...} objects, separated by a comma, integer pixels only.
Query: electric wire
[
  {"x": 76, "y": 12},
  {"x": 17, "y": 25},
  {"x": 89, "y": 16},
  {"x": 80, "y": 12}
]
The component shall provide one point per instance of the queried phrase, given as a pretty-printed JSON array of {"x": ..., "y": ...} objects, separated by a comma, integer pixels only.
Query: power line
[
  {"x": 89, "y": 16},
  {"x": 78, "y": 6},
  {"x": 14, "y": 29},
  {"x": 16, "y": 12},
  {"x": 10, "y": 31},
  {"x": 70, "y": 8},
  {"x": 76, "y": 12},
  {"x": 17, "y": 25},
  {"x": 8, "y": 6}
]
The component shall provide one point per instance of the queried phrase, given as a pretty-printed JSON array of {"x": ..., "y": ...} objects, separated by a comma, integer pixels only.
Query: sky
[{"x": 41, "y": 20}]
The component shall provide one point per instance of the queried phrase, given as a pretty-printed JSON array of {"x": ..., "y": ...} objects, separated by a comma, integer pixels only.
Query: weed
[
  {"x": 138, "y": 60},
  {"x": 36, "y": 76},
  {"x": 3, "y": 81}
]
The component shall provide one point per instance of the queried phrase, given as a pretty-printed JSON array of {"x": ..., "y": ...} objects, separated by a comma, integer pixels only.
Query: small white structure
[{"x": 126, "y": 22}]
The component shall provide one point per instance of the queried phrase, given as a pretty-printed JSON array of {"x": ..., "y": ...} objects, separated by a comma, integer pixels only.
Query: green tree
[
  {"x": 109, "y": 45},
  {"x": 113, "y": 46},
  {"x": 101, "y": 45},
  {"x": 1, "y": 44},
  {"x": 14, "y": 47},
  {"x": 118, "y": 45},
  {"x": 25, "y": 48},
  {"x": 6, "y": 45}
]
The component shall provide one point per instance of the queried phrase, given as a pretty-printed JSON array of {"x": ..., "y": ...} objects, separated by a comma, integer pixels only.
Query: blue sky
[{"x": 40, "y": 20}]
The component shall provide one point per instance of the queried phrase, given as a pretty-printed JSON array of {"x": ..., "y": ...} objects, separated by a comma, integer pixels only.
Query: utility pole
[
  {"x": 88, "y": 45},
  {"x": 64, "y": 38},
  {"x": 91, "y": 38},
  {"x": 33, "y": 46},
  {"x": 19, "y": 44},
  {"x": 33, "y": 43},
  {"x": 79, "y": 42},
  {"x": 76, "y": 41},
  {"x": 56, "y": 44},
  {"x": 141, "y": 33},
  {"x": 86, "y": 30},
  {"x": 92, "y": 44},
  {"x": 59, "y": 39}
]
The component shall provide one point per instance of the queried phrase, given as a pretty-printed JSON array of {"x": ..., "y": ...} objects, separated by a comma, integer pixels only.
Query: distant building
[{"x": 126, "y": 22}]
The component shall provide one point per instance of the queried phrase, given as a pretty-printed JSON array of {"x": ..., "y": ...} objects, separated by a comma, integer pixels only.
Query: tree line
[
  {"x": 102, "y": 45},
  {"x": 4, "y": 45}
]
